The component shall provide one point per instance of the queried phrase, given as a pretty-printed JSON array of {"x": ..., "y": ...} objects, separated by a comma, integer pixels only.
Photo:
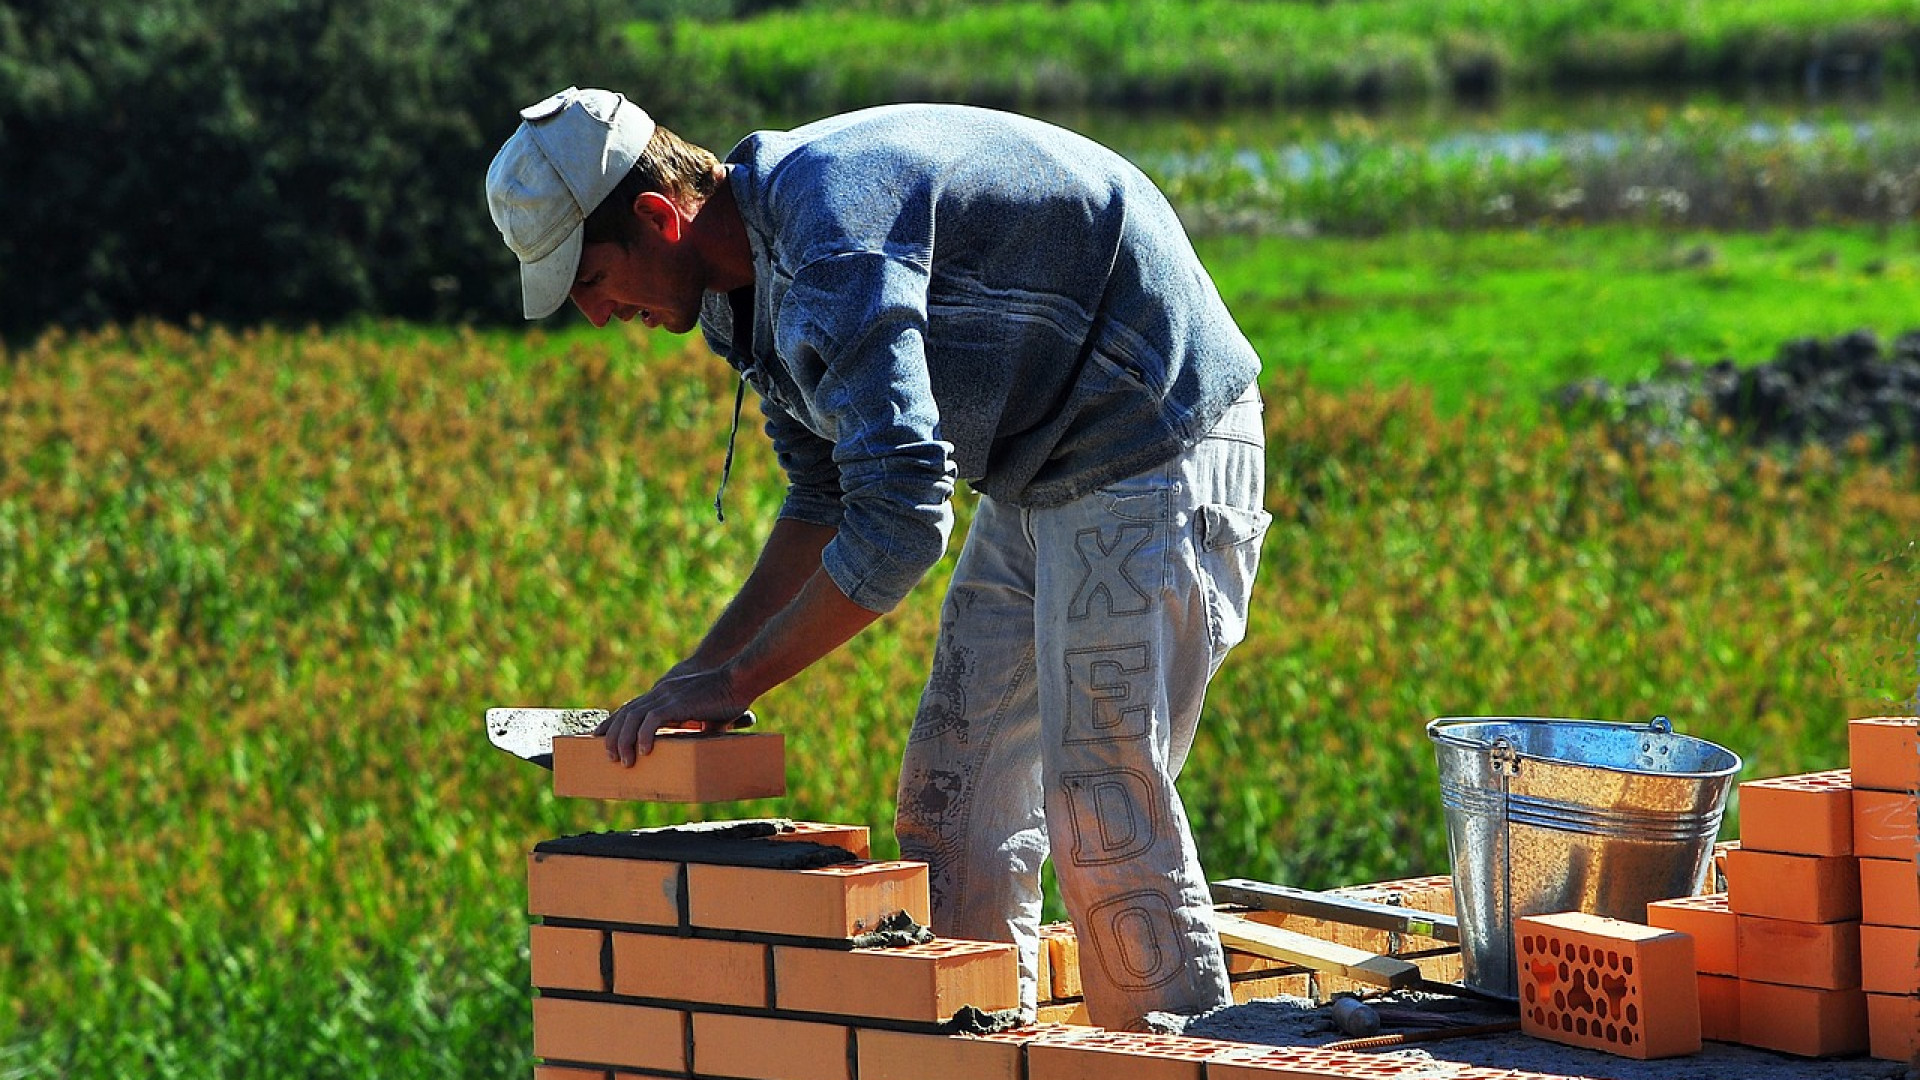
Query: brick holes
[{"x": 1591, "y": 989}]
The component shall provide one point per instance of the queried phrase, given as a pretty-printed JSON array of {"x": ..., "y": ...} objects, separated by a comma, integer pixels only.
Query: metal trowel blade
[{"x": 528, "y": 733}]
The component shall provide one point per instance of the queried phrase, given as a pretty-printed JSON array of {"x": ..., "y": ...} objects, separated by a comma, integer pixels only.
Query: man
[{"x": 921, "y": 294}]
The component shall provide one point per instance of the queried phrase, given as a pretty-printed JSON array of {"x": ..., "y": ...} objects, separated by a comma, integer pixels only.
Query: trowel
[{"x": 528, "y": 734}]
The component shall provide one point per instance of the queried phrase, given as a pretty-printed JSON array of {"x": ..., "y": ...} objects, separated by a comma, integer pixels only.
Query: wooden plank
[
  {"x": 1335, "y": 908},
  {"x": 1238, "y": 932}
]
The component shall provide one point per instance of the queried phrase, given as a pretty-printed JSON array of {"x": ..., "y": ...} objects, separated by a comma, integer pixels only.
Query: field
[{"x": 260, "y": 588}]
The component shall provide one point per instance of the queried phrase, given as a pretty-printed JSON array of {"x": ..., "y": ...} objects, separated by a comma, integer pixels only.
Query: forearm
[
  {"x": 789, "y": 560},
  {"x": 819, "y": 620}
]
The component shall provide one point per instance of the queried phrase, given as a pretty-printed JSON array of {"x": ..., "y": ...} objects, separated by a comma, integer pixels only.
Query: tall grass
[
  {"x": 259, "y": 589},
  {"x": 1132, "y": 52}
]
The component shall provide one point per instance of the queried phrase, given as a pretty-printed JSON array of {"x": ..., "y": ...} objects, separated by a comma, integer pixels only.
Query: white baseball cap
[{"x": 567, "y": 155}]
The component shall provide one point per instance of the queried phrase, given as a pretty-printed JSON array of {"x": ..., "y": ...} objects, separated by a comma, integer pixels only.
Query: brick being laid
[
  {"x": 1608, "y": 985},
  {"x": 1806, "y": 814},
  {"x": 573, "y": 1032},
  {"x": 1803, "y": 1021},
  {"x": 1709, "y": 921},
  {"x": 832, "y": 902},
  {"x": 1802, "y": 888},
  {"x": 916, "y": 983},
  {"x": 683, "y": 767}
]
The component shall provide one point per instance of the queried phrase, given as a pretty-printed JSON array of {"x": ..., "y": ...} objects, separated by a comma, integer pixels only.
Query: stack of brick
[{"x": 1885, "y": 754}]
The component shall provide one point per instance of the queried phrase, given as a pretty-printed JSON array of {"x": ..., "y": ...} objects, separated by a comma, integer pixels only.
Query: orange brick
[
  {"x": 1825, "y": 956},
  {"x": 1043, "y": 972},
  {"x": 1801, "y": 1020},
  {"x": 1709, "y": 921},
  {"x": 1072, "y": 1013},
  {"x": 603, "y": 1033},
  {"x": 1063, "y": 958},
  {"x": 569, "y": 958},
  {"x": 564, "y": 1072},
  {"x": 830, "y": 902},
  {"x": 1885, "y": 752},
  {"x": 1890, "y": 959},
  {"x": 1808, "y": 814},
  {"x": 683, "y": 768},
  {"x": 1262, "y": 986},
  {"x": 633, "y": 891},
  {"x": 764, "y": 1048},
  {"x": 1122, "y": 1055},
  {"x": 916, "y": 982},
  {"x": 1893, "y": 1027},
  {"x": 1310, "y": 1063},
  {"x": 698, "y": 970},
  {"x": 1720, "y": 852},
  {"x": 899, "y": 1055},
  {"x": 1720, "y": 1008},
  {"x": 1890, "y": 892},
  {"x": 1608, "y": 985},
  {"x": 1886, "y": 825},
  {"x": 857, "y": 839},
  {"x": 1804, "y": 888}
]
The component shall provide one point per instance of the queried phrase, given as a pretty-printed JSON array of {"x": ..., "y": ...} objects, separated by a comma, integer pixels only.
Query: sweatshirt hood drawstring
[{"x": 726, "y": 467}]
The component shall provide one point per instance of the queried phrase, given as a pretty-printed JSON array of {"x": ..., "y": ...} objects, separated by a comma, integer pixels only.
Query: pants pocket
[{"x": 1228, "y": 538}]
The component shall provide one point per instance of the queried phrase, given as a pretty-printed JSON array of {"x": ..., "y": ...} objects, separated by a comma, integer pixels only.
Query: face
[{"x": 648, "y": 281}]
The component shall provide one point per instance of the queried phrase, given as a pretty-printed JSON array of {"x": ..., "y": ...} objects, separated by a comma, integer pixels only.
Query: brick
[
  {"x": 1893, "y": 1027},
  {"x": 1720, "y": 1008},
  {"x": 1122, "y": 1055},
  {"x": 857, "y": 839},
  {"x": 683, "y": 768},
  {"x": 1062, "y": 946},
  {"x": 1261, "y": 986},
  {"x": 567, "y": 1072},
  {"x": 1885, "y": 752},
  {"x": 913, "y": 983},
  {"x": 899, "y": 1055},
  {"x": 604, "y": 1033},
  {"x": 1807, "y": 814},
  {"x": 766, "y": 1048},
  {"x": 1886, "y": 825},
  {"x": 1890, "y": 892},
  {"x": 830, "y": 902},
  {"x": 1825, "y": 956},
  {"x": 1607, "y": 985},
  {"x": 1709, "y": 921},
  {"x": 1043, "y": 970},
  {"x": 569, "y": 958},
  {"x": 1311, "y": 1063},
  {"x": 1890, "y": 959},
  {"x": 1802, "y": 1020},
  {"x": 698, "y": 970},
  {"x": 1804, "y": 888},
  {"x": 1067, "y": 1013},
  {"x": 636, "y": 892},
  {"x": 1720, "y": 852}
]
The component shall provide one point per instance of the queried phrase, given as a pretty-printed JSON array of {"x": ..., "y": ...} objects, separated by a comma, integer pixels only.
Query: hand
[{"x": 704, "y": 700}]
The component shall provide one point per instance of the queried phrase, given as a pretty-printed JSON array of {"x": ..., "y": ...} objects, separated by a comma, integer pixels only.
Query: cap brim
[{"x": 546, "y": 282}]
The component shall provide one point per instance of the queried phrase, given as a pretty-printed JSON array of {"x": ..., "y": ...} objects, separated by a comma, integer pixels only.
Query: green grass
[
  {"x": 1512, "y": 315},
  {"x": 1132, "y": 52},
  {"x": 260, "y": 589}
]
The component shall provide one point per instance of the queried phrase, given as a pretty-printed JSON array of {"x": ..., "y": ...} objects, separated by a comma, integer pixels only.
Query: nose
[{"x": 597, "y": 313}]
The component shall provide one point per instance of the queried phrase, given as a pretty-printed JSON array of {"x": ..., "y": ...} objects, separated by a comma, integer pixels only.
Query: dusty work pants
[{"x": 1075, "y": 647}]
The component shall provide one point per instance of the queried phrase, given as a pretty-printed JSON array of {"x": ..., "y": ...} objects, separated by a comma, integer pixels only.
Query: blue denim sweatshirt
[{"x": 942, "y": 291}]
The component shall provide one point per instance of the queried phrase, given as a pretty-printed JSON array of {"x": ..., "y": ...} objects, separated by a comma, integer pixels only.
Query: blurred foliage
[{"x": 250, "y": 160}]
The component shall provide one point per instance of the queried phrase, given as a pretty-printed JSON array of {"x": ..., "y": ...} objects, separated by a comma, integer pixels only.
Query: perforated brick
[
  {"x": 1890, "y": 959},
  {"x": 1608, "y": 985},
  {"x": 697, "y": 970},
  {"x": 1709, "y": 921},
  {"x": 1720, "y": 1008},
  {"x": 857, "y": 839},
  {"x": 1886, "y": 825},
  {"x": 632, "y": 891},
  {"x": 1821, "y": 955},
  {"x": 1893, "y": 1027},
  {"x": 896, "y": 1055},
  {"x": 1807, "y": 814},
  {"x": 765, "y": 1048},
  {"x": 925, "y": 983},
  {"x": 1885, "y": 752},
  {"x": 569, "y": 958},
  {"x": 1804, "y": 888},
  {"x": 1122, "y": 1055},
  {"x": 829, "y": 902},
  {"x": 604, "y": 1033},
  {"x": 1890, "y": 892},
  {"x": 1062, "y": 946},
  {"x": 682, "y": 768},
  {"x": 1801, "y": 1020},
  {"x": 1308, "y": 1063}
]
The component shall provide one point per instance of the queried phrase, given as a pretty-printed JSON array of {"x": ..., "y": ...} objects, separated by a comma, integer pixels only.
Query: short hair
[{"x": 670, "y": 166}]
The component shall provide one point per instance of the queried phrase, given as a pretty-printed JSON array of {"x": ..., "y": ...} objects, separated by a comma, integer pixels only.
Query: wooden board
[{"x": 1238, "y": 932}]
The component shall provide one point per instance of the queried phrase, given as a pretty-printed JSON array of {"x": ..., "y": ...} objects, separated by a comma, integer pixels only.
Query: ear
[{"x": 660, "y": 213}]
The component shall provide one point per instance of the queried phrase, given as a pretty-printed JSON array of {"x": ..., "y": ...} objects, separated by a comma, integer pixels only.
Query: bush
[{"x": 245, "y": 160}]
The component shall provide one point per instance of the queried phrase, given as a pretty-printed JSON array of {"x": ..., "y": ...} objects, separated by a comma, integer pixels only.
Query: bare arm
[{"x": 787, "y": 615}]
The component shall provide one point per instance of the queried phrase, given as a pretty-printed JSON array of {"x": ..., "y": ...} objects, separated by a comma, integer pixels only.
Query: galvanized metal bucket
[{"x": 1547, "y": 815}]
